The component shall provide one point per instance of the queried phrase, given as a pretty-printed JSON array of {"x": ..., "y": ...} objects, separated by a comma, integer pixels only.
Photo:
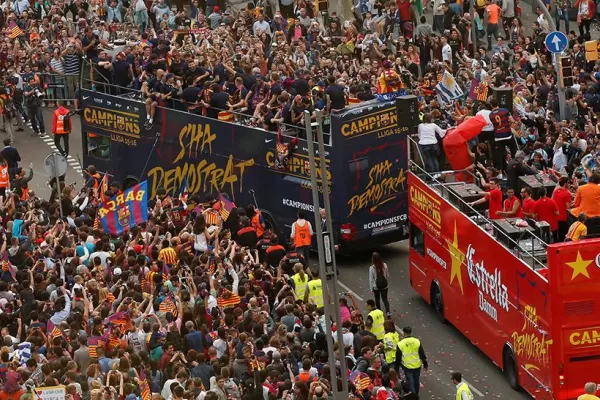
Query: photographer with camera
[{"x": 33, "y": 100}]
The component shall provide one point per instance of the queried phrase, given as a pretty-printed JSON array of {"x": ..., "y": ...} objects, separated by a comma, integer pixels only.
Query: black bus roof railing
[
  {"x": 433, "y": 180},
  {"x": 138, "y": 95}
]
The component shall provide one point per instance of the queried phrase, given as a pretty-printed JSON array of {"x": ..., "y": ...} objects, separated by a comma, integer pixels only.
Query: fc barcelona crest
[{"x": 124, "y": 216}]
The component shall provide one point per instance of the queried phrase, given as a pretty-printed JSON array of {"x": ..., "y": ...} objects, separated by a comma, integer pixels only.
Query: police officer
[
  {"x": 378, "y": 318},
  {"x": 411, "y": 356},
  {"x": 314, "y": 293},
  {"x": 33, "y": 99},
  {"x": 462, "y": 389}
]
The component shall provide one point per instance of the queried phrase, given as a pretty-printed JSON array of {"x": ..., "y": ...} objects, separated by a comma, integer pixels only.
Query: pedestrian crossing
[{"x": 49, "y": 140}]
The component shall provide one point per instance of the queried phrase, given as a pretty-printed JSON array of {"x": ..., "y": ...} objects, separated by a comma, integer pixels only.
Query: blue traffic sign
[{"x": 556, "y": 42}]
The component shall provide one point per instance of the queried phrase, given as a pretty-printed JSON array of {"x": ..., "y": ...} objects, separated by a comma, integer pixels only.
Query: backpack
[{"x": 380, "y": 281}]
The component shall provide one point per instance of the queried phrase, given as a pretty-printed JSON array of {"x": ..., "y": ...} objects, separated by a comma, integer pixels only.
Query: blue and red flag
[
  {"x": 183, "y": 191},
  {"x": 125, "y": 210}
]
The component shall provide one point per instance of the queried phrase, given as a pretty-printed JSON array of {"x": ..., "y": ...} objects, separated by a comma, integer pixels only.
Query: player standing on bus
[
  {"x": 301, "y": 236},
  {"x": 462, "y": 389},
  {"x": 411, "y": 356}
]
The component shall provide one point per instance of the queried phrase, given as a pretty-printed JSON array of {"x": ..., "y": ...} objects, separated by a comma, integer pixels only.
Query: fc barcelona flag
[
  {"x": 479, "y": 90},
  {"x": 125, "y": 210}
]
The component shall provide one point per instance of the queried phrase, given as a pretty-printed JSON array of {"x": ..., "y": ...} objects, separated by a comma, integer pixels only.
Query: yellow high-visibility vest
[
  {"x": 315, "y": 292},
  {"x": 378, "y": 319},
  {"x": 463, "y": 387},
  {"x": 390, "y": 344},
  {"x": 300, "y": 285},
  {"x": 410, "y": 352}
]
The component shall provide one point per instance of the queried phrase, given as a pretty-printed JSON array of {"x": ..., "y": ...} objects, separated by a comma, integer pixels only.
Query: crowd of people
[{"x": 195, "y": 304}]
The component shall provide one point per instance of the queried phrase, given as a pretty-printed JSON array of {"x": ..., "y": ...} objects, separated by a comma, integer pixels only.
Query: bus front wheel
[{"x": 510, "y": 369}]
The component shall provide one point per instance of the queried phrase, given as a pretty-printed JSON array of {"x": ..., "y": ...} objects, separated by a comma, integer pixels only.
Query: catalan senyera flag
[
  {"x": 103, "y": 188},
  {"x": 360, "y": 380},
  {"x": 120, "y": 319},
  {"x": 126, "y": 210},
  {"x": 14, "y": 31},
  {"x": 228, "y": 299},
  {"x": 56, "y": 332},
  {"x": 168, "y": 306},
  {"x": 479, "y": 90},
  {"x": 94, "y": 343},
  {"x": 144, "y": 387},
  {"x": 224, "y": 206}
]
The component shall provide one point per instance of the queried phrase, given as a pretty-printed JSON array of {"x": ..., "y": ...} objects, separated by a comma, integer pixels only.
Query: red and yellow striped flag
[
  {"x": 14, "y": 31},
  {"x": 228, "y": 299},
  {"x": 168, "y": 306},
  {"x": 55, "y": 333}
]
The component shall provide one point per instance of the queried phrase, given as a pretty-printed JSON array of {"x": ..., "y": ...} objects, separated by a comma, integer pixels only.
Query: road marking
[
  {"x": 347, "y": 289},
  {"x": 473, "y": 388},
  {"x": 49, "y": 140}
]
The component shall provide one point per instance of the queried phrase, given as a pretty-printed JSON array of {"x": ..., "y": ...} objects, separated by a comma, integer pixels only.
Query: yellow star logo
[
  {"x": 579, "y": 266},
  {"x": 457, "y": 258}
]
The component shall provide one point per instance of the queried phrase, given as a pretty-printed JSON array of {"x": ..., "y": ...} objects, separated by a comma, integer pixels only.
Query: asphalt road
[
  {"x": 34, "y": 150},
  {"x": 446, "y": 348}
]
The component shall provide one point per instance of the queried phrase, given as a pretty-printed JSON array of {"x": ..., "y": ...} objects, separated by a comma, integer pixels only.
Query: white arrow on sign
[{"x": 556, "y": 43}]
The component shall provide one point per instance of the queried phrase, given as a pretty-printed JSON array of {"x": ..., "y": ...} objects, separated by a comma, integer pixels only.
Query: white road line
[
  {"x": 49, "y": 141},
  {"x": 350, "y": 291},
  {"x": 347, "y": 289},
  {"x": 473, "y": 388}
]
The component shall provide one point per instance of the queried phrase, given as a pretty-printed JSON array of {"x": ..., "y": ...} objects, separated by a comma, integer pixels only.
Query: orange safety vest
[
  {"x": 24, "y": 193},
  {"x": 256, "y": 224},
  {"x": 97, "y": 179},
  {"x": 4, "y": 179},
  {"x": 61, "y": 129},
  {"x": 302, "y": 237}
]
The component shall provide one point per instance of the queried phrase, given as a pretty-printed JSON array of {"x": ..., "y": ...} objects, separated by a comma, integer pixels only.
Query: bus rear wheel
[
  {"x": 437, "y": 302},
  {"x": 510, "y": 369}
]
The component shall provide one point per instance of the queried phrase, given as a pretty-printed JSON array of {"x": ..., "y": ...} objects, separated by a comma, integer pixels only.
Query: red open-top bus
[{"x": 533, "y": 308}]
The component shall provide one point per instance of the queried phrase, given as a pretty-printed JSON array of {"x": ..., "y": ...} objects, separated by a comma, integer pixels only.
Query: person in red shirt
[
  {"x": 527, "y": 204},
  {"x": 512, "y": 205},
  {"x": 545, "y": 209},
  {"x": 563, "y": 199},
  {"x": 493, "y": 197}
]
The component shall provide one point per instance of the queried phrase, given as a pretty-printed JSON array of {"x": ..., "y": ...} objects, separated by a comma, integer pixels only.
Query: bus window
[
  {"x": 98, "y": 146},
  {"x": 417, "y": 239}
]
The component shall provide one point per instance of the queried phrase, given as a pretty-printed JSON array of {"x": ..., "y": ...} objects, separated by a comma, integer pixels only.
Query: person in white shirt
[
  {"x": 20, "y": 6},
  {"x": 261, "y": 25},
  {"x": 446, "y": 51},
  {"x": 428, "y": 143}
]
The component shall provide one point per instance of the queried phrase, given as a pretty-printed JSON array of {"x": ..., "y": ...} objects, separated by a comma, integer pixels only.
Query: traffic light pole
[
  {"x": 328, "y": 274},
  {"x": 562, "y": 98}
]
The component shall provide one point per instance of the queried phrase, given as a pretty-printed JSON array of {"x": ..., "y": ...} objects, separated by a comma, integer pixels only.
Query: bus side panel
[
  {"x": 490, "y": 295},
  {"x": 213, "y": 156},
  {"x": 373, "y": 141},
  {"x": 574, "y": 270}
]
